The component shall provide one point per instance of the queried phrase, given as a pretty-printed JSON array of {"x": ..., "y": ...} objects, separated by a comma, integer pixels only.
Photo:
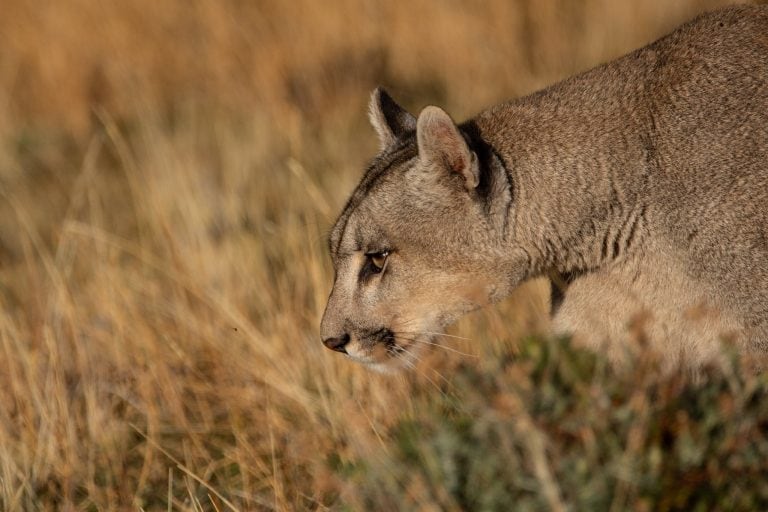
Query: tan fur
[
  {"x": 641, "y": 184},
  {"x": 649, "y": 304}
]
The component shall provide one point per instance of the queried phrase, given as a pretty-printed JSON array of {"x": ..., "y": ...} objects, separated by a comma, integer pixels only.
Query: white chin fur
[{"x": 404, "y": 361}]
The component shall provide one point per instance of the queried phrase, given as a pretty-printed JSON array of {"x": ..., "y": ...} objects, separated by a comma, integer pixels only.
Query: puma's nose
[{"x": 337, "y": 344}]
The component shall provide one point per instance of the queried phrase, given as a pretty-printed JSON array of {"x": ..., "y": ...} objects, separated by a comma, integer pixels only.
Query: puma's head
[{"x": 419, "y": 242}]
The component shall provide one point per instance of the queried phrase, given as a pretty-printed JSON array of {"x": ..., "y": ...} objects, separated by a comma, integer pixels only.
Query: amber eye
[{"x": 378, "y": 259}]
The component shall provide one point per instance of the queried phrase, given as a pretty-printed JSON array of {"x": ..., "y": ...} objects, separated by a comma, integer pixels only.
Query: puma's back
[{"x": 640, "y": 186}]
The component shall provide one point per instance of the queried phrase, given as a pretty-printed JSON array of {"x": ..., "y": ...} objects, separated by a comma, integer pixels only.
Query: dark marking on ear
[
  {"x": 494, "y": 175},
  {"x": 390, "y": 120},
  {"x": 485, "y": 155}
]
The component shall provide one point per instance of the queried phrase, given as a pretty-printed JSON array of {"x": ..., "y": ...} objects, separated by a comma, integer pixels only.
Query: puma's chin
[
  {"x": 387, "y": 367},
  {"x": 390, "y": 358},
  {"x": 393, "y": 365}
]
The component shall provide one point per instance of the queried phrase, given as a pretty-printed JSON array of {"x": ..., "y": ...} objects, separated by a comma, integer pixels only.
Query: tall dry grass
[{"x": 168, "y": 172}]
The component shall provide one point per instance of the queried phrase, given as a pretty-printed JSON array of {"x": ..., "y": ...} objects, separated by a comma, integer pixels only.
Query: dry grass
[{"x": 167, "y": 174}]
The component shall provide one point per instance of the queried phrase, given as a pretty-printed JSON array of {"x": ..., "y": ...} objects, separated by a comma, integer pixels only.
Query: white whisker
[
  {"x": 410, "y": 336},
  {"x": 444, "y": 347},
  {"x": 434, "y": 384},
  {"x": 411, "y": 358},
  {"x": 448, "y": 335}
]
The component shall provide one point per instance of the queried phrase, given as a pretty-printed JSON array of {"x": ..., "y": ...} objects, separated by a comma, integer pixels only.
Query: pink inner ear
[
  {"x": 458, "y": 164},
  {"x": 450, "y": 147},
  {"x": 443, "y": 134}
]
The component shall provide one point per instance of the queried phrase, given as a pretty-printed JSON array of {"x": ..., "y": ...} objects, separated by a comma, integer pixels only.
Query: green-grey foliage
[{"x": 608, "y": 439}]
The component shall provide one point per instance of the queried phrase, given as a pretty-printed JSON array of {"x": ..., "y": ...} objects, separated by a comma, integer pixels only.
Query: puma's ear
[
  {"x": 441, "y": 143},
  {"x": 389, "y": 119}
]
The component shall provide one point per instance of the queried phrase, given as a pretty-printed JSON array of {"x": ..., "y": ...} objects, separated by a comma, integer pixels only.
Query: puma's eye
[{"x": 378, "y": 259}]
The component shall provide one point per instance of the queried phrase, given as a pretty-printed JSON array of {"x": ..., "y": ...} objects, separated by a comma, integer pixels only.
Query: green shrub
[{"x": 555, "y": 428}]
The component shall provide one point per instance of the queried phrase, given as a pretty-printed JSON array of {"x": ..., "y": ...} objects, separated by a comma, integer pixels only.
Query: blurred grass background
[{"x": 168, "y": 172}]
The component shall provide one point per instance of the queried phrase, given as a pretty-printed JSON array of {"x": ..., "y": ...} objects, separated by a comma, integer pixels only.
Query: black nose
[{"x": 337, "y": 344}]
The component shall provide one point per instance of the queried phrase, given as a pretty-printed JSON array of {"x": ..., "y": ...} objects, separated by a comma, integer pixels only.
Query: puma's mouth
[
  {"x": 383, "y": 344},
  {"x": 385, "y": 337}
]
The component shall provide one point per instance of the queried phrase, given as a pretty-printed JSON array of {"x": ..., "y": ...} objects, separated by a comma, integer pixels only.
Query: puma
[{"x": 640, "y": 187}]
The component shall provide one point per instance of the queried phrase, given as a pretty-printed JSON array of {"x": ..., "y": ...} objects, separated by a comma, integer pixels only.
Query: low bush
[{"x": 555, "y": 428}]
